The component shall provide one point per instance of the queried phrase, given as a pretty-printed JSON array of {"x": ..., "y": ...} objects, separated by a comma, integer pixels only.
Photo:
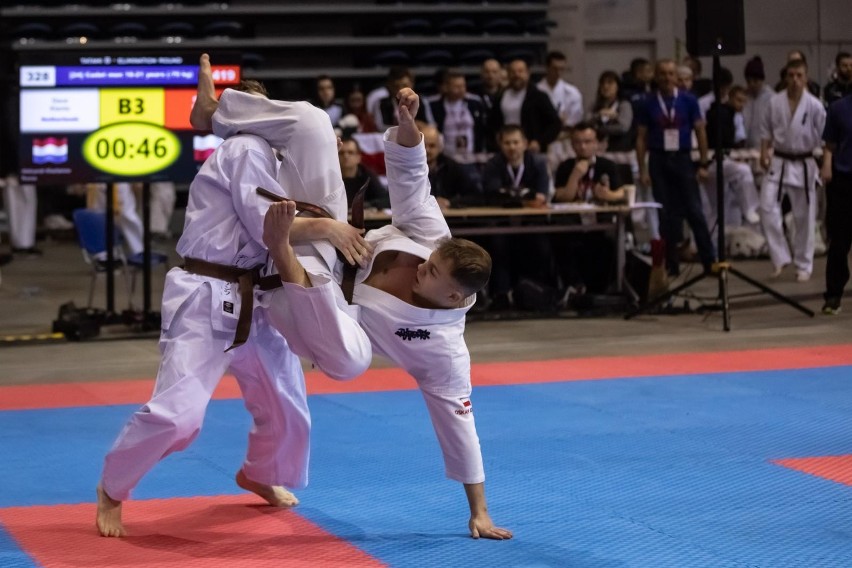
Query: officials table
[{"x": 557, "y": 218}]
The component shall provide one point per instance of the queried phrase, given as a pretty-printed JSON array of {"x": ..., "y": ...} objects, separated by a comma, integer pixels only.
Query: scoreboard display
[{"x": 106, "y": 118}]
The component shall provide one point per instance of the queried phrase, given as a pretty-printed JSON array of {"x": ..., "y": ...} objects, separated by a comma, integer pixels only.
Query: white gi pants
[
  {"x": 804, "y": 217},
  {"x": 162, "y": 206},
  {"x": 740, "y": 190},
  {"x": 21, "y": 206},
  {"x": 317, "y": 322},
  {"x": 129, "y": 221},
  {"x": 193, "y": 362}
]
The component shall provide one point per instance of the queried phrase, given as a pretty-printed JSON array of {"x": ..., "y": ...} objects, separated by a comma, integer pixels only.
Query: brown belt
[
  {"x": 356, "y": 220},
  {"x": 247, "y": 279}
]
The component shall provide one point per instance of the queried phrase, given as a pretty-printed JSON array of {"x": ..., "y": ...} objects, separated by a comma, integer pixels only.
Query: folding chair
[{"x": 91, "y": 235}]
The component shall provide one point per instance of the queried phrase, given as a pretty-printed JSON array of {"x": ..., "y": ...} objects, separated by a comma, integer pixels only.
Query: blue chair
[
  {"x": 390, "y": 57},
  {"x": 476, "y": 56},
  {"x": 91, "y": 235},
  {"x": 175, "y": 29},
  {"x": 129, "y": 30},
  {"x": 223, "y": 28},
  {"x": 32, "y": 30},
  {"x": 81, "y": 29}
]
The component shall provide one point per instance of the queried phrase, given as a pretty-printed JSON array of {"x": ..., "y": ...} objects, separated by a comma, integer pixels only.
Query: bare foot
[
  {"x": 206, "y": 103},
  {"x": 275, "y": 495},
  {"x": 109, "y": 515}
]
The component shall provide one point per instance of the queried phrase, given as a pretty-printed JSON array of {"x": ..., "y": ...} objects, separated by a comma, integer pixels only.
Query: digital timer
[{"x": 131, "y": 149}]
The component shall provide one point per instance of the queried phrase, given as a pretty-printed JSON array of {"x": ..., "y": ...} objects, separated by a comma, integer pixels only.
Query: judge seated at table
[
  {"x": 585, "y": 260},
  {"x": 516, "y": 177},
  {"x": 451, "y": 184}
]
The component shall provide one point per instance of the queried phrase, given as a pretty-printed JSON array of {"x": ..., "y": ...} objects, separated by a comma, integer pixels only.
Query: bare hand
[
  {"x": 645, "y": 179},
  {"x": 765, "y": 162},
  {"x": 443, "y": 202},
  {"x": 481, "y": 526},
  {"x": 539, "y": 201},
  {"x": 534, "y": 146},
  {"x": 601, "y": 192},
  {"x": 825, "y": 176},
  {"x": 581, "y": 166},
  {"x": 349, "y": 241},
  {"x": 702, "y": 174},
  {"x": 409, "y": 104}
]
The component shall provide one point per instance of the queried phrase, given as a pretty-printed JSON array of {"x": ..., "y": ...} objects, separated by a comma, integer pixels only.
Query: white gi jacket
[
  {"x": 427, "y": 343},
  {"x": 797, "y": 134}
]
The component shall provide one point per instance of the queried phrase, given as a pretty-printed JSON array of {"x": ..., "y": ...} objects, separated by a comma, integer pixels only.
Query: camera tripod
[{"x": 721, "y": 269}]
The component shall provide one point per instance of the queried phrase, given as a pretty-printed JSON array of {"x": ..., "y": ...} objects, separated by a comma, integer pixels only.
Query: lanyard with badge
[
  {"x": 671, "y": 136},
  {"x": 516, "y": 177}
]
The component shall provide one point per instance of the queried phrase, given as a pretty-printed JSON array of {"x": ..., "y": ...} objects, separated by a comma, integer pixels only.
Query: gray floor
[{"x": 33, "y": 289}]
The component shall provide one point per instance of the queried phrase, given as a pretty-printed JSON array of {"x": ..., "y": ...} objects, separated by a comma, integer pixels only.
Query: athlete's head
[{"x": 454, "y": 271}]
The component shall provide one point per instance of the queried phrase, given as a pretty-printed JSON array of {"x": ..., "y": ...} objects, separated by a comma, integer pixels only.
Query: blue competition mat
[{"x": 648, "y": 472}]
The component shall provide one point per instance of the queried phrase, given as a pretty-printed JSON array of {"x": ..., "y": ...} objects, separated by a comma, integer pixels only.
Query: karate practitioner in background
[
  {"x": 792, "y": 127},
  {"x": 411, "y": 300},
  {"x": 199, "y": 318}
]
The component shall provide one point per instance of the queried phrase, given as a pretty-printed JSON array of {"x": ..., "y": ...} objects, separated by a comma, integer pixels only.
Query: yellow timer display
[{"x": 131, "y": 148}]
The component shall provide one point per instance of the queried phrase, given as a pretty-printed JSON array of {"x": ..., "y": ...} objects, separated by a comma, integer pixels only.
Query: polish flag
[
  {"x": 50, "y": 150},
  {"x": 372, "y": 146},
  {"x": 203, "y": 146}
]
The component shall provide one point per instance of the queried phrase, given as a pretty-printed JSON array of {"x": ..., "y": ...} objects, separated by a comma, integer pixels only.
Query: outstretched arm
[{"x": 480, "y": 524}]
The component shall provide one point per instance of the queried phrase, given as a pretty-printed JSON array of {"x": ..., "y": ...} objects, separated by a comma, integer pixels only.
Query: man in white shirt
[{"x": 565, "y": 97}]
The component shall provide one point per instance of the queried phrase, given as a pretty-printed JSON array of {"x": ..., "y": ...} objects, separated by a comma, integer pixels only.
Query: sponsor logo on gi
[
  {"x": 228, "y": 307},
  {"x": 409, "y": 334},
  {"x": 466, "y": 407}
]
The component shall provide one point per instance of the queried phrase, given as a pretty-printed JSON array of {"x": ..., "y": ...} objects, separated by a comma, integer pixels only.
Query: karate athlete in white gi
[
  {"x": 199, "y": 318},
  {"x": 792, "y": 126},
  {"x": 408, "y": 299}
]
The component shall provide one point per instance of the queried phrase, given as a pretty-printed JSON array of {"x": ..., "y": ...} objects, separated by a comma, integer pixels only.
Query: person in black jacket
[
  {"x": 355, "y": 174},
  {"x": 460, "y": 117},
  {"x": 524, "y": 104},
  {"x": 451, "y": 184}
]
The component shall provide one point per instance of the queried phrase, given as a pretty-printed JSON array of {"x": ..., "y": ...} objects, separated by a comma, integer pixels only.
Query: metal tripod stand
[{"x": 722, "y": 268}]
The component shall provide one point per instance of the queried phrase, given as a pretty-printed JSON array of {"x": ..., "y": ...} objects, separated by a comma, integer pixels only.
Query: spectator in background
[
  {"x": 758, "y": 94},
  {"x": 737, "y": 175},
  {"x": 841, "y": 82},
  {"x": 355, "y": 175},
  {"x": 564, "y": 97},
  {"x": 636, "y": 82},
  {"x": 611, "y": 114},
  {"x": 21, "y": 203},
  {"x": 461, "y": 118},
  {"x": 163, "y": 198},
  {"x": 451, "y": 185},
  {"x": 665, "y": 123},
  {"x": 796, "y": 55},
  {"x": 326, "y": 99},
  {"x": 700, "y": 85},
  {"x": 523, "y": 104},
  {"x": 491, "y": 75},
  {"x": 792, "y": 128},
  {"x": 837, "y": 172},
  {"x": 516, "y": 177},
  {"x": 388, "y": 112},
  {"x": 684, "y": 78},
  {"x": 356, "y": 106},
  {"x": 585, "y": 260}
]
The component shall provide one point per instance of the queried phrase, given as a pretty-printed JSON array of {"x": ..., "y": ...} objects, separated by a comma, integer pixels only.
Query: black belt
[
  {"x": 246, "y": 278},
  {"x": 801, "y": 157}
]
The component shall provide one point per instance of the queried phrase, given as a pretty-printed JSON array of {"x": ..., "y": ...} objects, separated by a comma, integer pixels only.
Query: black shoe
[
  {"x": 831, "y": 306},
  {"x": 5, "y": 259},
  {"x": 30, "y": 252}
]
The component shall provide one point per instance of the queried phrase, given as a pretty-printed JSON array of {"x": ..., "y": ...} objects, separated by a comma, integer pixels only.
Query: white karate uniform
[
  {"x": 224, "y": 225},
  {"x": 162, "y": 206},
  {"x": 428, "y": 344},
  {"x": 797, "y": 134},
  {"x": 566, "y": 99},
  {"x": 743, "y": 198},
  {"x": 21, "y": 206}
]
